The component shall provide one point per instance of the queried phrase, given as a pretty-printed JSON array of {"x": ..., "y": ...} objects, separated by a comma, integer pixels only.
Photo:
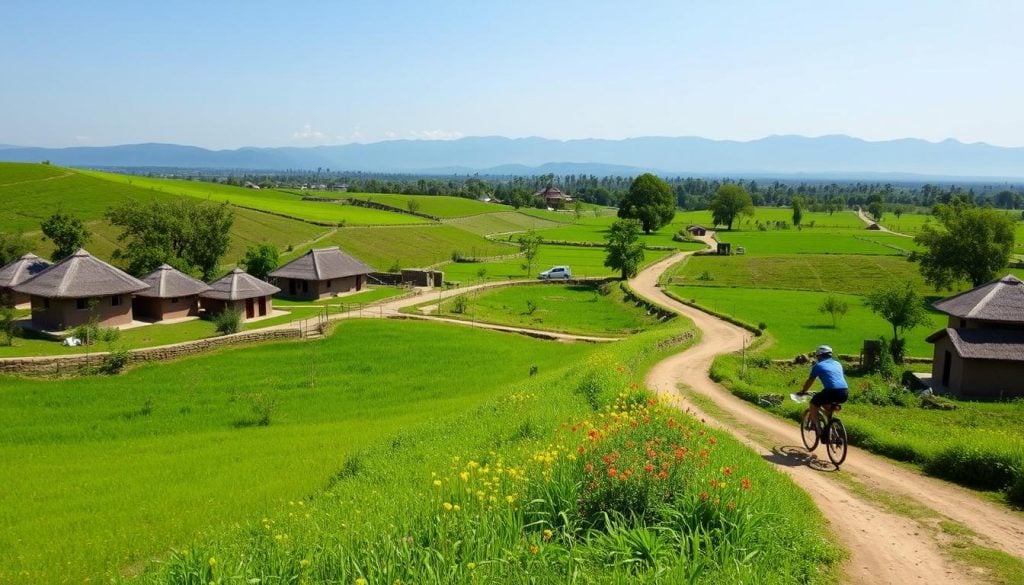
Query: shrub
[
  {"x": 604, "y": 289},
  {"x": 460, "y": 304},
  {"x": 114, "y": 362},
  {"x": 262, "y": 407},
  {"x": 705, "y": 276},
  {"x": 228, "y": 321},
  {"x": 456, "y": 256},
  {"x": 8, "y": 328},
  {"x": 887, "y": 394},
  {"x": 982, "y": 467},
  {"x": 762, "y": 325},
  {"x": 531, "y": 306}
]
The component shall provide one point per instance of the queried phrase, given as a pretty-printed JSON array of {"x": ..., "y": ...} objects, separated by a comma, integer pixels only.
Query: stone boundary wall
[{"x": 68, "y": 365}]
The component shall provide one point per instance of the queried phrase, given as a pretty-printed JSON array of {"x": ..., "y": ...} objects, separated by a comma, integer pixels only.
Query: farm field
[
  {"x": 501, "y": 223},
  {"x": 812, "y": 241},
  {"x": 436, "y": 205},
  {"x": 591, "y": 229},
  {"x": 584, "y": 262},
  {"x": 268, "y": 200},
  {"x": 796, "y": 326},
  {"x": 412, "y": 246},
  {"x": 980, "y": 444},
  {"x": 574, "y": 309},
  {"x": 841, "y": 219},
  {"x": 199, "y": 459}
]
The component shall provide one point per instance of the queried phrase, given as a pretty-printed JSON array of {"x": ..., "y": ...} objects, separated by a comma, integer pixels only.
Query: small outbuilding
[
  {"x": 239, "y": 290},
  {"x": 724, "y": 249},
  {"x": 172, "y": 294},
  {"x": 697, "y": 230},
  {"x": 321, "y": 273},
  {"x": 980, "y": 353},
  {"x": 18, "y": 272},
  {"x": 78, "y": 288}
]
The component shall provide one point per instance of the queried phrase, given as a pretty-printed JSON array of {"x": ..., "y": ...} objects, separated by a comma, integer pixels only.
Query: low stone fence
[{"x": 68, "y": 365}]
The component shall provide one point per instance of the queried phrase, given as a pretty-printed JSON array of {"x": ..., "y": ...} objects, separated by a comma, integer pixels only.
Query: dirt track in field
[{"x": 885, "y": 546}]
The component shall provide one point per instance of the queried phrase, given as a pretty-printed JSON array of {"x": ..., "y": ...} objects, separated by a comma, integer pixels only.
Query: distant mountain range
[{"x": 826, "y": 156}]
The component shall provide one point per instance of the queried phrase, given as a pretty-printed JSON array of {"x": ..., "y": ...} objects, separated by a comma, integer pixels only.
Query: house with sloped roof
[
  {"x": 17, "y": 272},
  {"x": 78, "y": 288},
  {"x": 553, "y": 196},
  {"x": 172, "y": 294},
  {"x": 239, "y": 290},
  {"x": 980, "y": 353},
  {"x": 321, "y": 273}
]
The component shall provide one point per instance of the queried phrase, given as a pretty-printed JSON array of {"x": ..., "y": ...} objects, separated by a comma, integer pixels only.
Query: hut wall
[
  {"x": 318, "y": 289},
  {"x": 215, "y": 306},
  {"x": 992, "y": 379},
  {"x": 956, "y": 369},
  {"x": 161, "y": 309},
  {"x": 9, "y": 298},
  {"x": 64, "y": 313}
]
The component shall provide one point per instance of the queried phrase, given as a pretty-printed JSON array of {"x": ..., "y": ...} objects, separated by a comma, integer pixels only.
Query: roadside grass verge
[
  {"x": 268, "y": 200},
  {"x": 124, "y": 468},
  {"x": 578, "y": 309},
  {"x": 976, "y": 444},
  {"x": 584, "y": 262},
  {"x": 527, "y": 488},
  {"x": 411, "y": 246},
  {"x": 795, "y": 324}
]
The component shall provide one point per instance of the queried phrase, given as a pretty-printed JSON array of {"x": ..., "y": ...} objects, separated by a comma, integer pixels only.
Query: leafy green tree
[
  {"x": 625, "y": 251},
  {"x": 261, "y": 260},
  {"x": 649, "y": 200},
  {"x": 798, "y": 210},
  {"x": 67, "y": 233},
  {"x": 730, "y": 201},
  {"x": 876, "y": 209},
  {"x": 413, "y": 205},
  {"x": 529, "y": 246},
  {"x": 12, "y": 247},
  {"x": 970, "y": 243},
  {"x": 903, "y": 308},
  {"x": 188, "y": 234},
  {"x": 835, "y": 307}
]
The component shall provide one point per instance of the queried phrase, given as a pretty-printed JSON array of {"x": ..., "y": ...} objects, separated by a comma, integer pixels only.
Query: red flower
[
  {"x": 649, "y": 468},
  {"x": 612, "y": 472},
  {"x": 704, "y": 496},
  {"x": 745, "y": 483},
  {"x": 731, "y": 506},
  {"x": 662, "y": 475},
  {"x": 727, "y": 470}
]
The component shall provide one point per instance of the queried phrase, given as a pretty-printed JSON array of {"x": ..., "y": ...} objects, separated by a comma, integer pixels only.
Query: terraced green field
[
  {"x": 594, "y": 230},
  {"x": 268, "y": 200},
  {"x": 809, "y": 241},
  {"x": 505, "y": 222},
  {"x": 840, "y": 219},
  {"x": 436, "y": 205}
]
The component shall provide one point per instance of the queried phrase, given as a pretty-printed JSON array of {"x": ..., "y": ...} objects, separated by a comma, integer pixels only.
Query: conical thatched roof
[
  {"x": 21, "y": 270},
  {"x": 999, "y": 300},
  {"x": 322, "y": 264},
  {"x": 167, "y": 282},
  {"x": 238, "y": 285},
  {"x": 80, "y": 275}
]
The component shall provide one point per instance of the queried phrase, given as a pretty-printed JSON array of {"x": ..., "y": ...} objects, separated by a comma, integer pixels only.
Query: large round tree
[
  {"x": 650, "y": 201},
  {"x": 730, "y": 201},
  {"x": 970, "y": 243}
]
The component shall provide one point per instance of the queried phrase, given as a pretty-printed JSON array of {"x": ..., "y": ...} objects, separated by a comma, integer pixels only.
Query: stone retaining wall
[{"x": 67, "y": 365}]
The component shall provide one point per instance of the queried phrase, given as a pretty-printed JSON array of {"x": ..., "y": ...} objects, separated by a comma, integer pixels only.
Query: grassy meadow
[
  {"x": 584, "y": 262},
  {"x": 126, "y": 468},
  {"x": 506, "y": 222},
  {"x": 436, "y": 205},
  {"x": 577, "y": 309}
]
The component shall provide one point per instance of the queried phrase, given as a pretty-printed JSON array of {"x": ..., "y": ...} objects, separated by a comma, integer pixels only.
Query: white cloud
[
  {"x": 307, "y": 133},
  {"x": 435, "y": 134}
]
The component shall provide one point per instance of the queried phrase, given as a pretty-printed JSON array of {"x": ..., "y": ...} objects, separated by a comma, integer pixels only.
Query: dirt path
[
  {"x": 885, "y": 546},
  {"x": 54, "y": 177},
  {"x": 867, "y": 220}
]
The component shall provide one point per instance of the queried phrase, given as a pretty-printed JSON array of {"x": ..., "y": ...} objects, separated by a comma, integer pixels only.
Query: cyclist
[{"x": 830, "y": 372}]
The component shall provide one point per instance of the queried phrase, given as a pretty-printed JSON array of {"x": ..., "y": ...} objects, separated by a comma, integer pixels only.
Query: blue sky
[{"x": 230, "y": 74}]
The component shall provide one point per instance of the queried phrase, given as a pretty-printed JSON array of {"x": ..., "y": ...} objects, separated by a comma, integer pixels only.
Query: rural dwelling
[
  {"x": 18, "y": 272},
  {"x": 321, "y": 273},
  {"x": 553, "y": 196},
  {"x": 696, "y": 230},
  {"x": 78, "y": 288},
  {"x": 172, "y": 294},
  {"x": 239, "y": 290},
  {"x": 980, "y": 353}
]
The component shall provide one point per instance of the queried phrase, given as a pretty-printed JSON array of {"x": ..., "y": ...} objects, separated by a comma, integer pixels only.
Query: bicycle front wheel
[
  {"x": 808, "y": 433},
  {"x": 836, "y": 444}
]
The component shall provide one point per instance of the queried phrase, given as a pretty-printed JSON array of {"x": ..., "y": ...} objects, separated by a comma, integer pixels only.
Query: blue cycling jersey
[{"x": 830, "y": 372}]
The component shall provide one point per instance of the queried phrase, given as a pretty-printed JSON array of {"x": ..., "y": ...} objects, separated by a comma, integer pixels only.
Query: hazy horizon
[{"x": 229, "y": 75}]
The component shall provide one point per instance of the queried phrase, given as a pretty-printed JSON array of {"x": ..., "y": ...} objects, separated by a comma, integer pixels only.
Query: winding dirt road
[{"x": 897, "y": 524}]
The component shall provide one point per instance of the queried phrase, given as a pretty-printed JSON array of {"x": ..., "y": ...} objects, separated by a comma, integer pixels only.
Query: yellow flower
[
  {"x": 456, "y": 507},
  {"x": 470, "y": 566},
  {"x": 447, "y": 507},
  {"x": 361, "y": 581},
  {"x": 548, "y": 534},
  {"x": 437, "y": 483},
  {"x": 510, "y": 498},
  {"x": 213, "y": 562},
  {"x": 464, "y": 476},
  {"x": 304, "y": 563}
]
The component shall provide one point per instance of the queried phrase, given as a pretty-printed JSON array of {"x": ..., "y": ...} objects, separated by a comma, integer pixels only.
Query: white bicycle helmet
[{"x": 823, "y": 350}]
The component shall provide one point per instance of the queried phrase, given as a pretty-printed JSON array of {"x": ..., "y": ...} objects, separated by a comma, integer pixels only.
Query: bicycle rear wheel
[
  {"x": 836, "y": 442},
  {"x": 808, "y": 433}
]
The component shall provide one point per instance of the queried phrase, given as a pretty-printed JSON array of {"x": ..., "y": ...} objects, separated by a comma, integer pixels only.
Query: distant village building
[
  {"x": 696, "y": 230},
  {"x": 321, "y": 273},
  {"x": 553, "y": 196},
  {"x": 239, "y": 290},
  {"x": 18, "y": 272},
  {"x": 980, "y": 353},
  {"x": 172, "y": 294},
  {"x": 78, "y": 288}
]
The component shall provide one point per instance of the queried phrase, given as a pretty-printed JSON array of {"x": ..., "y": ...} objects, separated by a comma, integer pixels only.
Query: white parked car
[{"x": 555, "y": 273}]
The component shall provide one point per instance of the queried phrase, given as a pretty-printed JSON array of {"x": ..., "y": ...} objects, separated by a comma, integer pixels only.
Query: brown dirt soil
[{"x": 885, "y": 546}]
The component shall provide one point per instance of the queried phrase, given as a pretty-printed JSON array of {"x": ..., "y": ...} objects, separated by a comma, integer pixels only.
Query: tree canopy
[
  {"x": 261, "y": 260},
  {"x": 730, "y": 201},
  {"x": 649, "y": 200},
  {"x": 972, "y": 244},
  {"x": 12, "y": 247},
  {"x": 529, "y": 246},
  {"x": 625, "y": 251},
  {"x": 67, "y": 233},
  {"x": 190, "y": 235},
  {"x": 902, "y": 307}
]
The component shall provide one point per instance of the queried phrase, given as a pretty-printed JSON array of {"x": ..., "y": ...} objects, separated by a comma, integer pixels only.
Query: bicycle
[{"x": 829, "y": 426}]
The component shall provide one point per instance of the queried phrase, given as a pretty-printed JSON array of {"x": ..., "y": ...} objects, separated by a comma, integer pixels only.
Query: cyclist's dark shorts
[{"x": 830, "y": 396}]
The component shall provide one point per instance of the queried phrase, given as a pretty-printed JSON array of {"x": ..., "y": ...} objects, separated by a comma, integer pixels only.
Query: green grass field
[
  {"x": 591, "y": 229},
  {"x": 796, "y": 326},
  {"x": 584, "y": 262},
  {"x": 839, "y": 219},
  {"x": 436, "y": 205},
  {"x": 501, "y": 223},
  {"x": 125, "y": 468},
  {"x": 808, "y": 241},
  {"x": 268, "y": 200},
  {"x": 564, "y": 308}
]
